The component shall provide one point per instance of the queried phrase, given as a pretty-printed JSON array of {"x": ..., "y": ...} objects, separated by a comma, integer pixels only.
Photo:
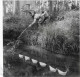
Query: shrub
[
  {"x": 13, "y": 26},
  {"x": 61, "y": 37}
]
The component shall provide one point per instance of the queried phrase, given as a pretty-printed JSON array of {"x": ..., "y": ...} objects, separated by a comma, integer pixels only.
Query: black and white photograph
[{"x": 41, "y": 38}]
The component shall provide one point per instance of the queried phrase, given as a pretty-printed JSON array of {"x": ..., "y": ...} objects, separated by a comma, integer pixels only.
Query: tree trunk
[
  {"x": 17, "y": 8},
  {"x": 4, "y": 8},
  {"x": 50, "y": 7}
]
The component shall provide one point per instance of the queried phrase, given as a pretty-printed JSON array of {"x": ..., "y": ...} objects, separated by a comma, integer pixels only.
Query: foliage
[
  {"x": 13, "y": 26},
  {"x": 61, "y": 37}
]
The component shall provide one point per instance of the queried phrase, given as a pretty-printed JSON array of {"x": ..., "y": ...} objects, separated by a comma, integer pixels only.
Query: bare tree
[
  {"x": 50, "y": 7},
  {"x": 17, "y": 7},
  {"x": 4, "y": 8},
  {"x": 52, "y": 10}
]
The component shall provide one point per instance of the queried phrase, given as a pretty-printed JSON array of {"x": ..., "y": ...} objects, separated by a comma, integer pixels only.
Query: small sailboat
[
  {"x": 21, "y": 56},
  {"x": 42, "y": 64},
  {"x": 62, "y": 73},
  {"x": 27, "y": 58},
  {"x": 34, "y": 61},
  {"x": 52, "y": 69}
]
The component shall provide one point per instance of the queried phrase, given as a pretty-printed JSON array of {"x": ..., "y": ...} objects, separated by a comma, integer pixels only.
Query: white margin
[{"x": 1, "y": 38}]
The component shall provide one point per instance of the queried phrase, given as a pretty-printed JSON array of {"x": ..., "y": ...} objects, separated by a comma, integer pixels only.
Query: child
[{"x": 39, "y": 18}]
